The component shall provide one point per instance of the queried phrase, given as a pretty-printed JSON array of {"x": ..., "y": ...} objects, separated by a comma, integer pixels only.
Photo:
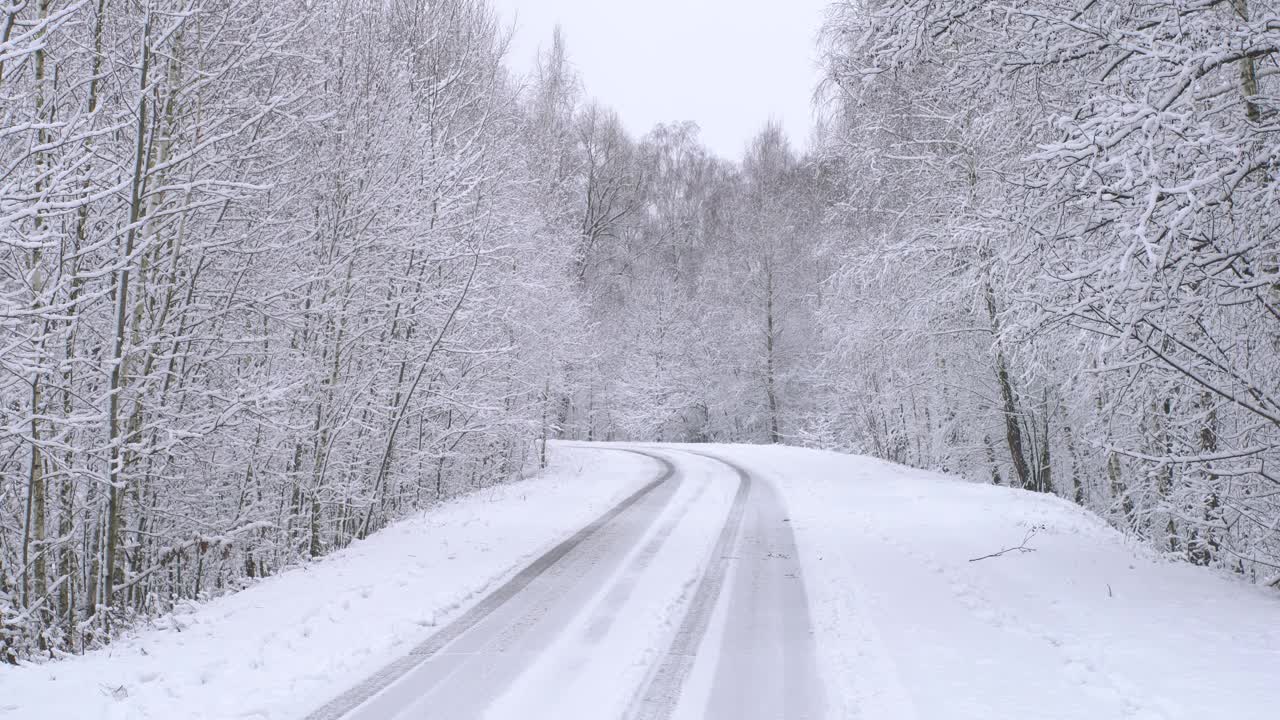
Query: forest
[{"x": 274, "y": 274}]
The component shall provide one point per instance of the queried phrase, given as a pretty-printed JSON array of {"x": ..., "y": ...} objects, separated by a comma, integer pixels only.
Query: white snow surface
[
  {"x": 1087, "y": 625},
  {"x": 281, "y": 648}
]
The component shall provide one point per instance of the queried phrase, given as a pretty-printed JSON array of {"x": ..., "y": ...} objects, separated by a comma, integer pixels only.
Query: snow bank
[
  {"x": 284, "y": 646},
  {"x": 1086, "y": 626}
]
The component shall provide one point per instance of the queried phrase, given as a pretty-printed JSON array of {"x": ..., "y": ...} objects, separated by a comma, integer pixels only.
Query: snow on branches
[{"x": 1108, "y": 172}]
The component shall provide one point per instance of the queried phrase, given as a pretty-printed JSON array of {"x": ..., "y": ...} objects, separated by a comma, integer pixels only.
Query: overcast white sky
[{"x": 728, "y": 65}]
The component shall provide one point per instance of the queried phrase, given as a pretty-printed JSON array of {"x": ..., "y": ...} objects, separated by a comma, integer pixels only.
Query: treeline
[
  {"x": 271, "y": 274},
  {"x": 1061, "y": 262}
]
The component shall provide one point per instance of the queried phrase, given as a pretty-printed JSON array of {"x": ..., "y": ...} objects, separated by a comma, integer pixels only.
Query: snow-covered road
[
  {"x": 599, "y": 599},
  {"x": 722, "y": 582}
]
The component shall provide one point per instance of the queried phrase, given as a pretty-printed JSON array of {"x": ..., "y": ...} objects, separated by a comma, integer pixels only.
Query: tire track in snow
[
  {"x": 355, "y": 696},
  {"x": 767, "y": 668},
  {"x": 659, "y": 696},
  {"x": 581, "y": 643},
  {"x": 607, "y": 612}
]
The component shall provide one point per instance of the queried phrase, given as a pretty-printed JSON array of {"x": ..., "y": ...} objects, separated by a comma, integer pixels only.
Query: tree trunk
[
  {"x": 1248, "y": 69},
  {"x": 115, "y": 468},
  {"x": 769, "y": 362},
  {"x": 1013, "y": 429},
  {"x": 35, "y": 535}
]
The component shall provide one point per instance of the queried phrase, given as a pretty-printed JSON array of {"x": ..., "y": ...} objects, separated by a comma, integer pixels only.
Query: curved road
[{"x": 685, "y": 600}]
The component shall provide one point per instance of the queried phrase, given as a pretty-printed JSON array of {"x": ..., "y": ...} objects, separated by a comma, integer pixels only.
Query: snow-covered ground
[
  {"x": 685, "y": 606},
  {"x": 1086, "y": 626},
  {"x": 282, "y": 647}
]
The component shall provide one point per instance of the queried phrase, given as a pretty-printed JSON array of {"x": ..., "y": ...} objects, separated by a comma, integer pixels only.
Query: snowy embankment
[
  {"x": 1086, "y": 625},
  {"x": 284, "y": 646}
]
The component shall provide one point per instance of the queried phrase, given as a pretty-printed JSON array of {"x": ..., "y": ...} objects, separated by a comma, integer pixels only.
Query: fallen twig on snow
[{"x": 1022, "y": 548}]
